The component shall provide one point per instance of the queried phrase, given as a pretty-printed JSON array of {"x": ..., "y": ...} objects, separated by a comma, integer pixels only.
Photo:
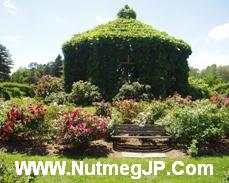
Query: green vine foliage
[
  {"x": 126, "y": 12},
  {"x": 96, "y": 55}
]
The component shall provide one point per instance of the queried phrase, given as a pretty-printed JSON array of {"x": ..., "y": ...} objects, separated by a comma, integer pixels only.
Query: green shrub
[
  {"x": 103, "y": 108},
  {"x": 4, "y": 94},
  {"x": 201, "y": 121},
  {"x": 135, "y": 91},
  {"x": 59, "y": 98},
  {"x": 15, "y": 90},
  {"x": 4, "y": 108},
  {"x": 47, "y": 85},
  {"x": 8, "y": 175},
  {"x": 193, "y": 149},
  {"x": 127, "y": 111},
  {"x": 84, "y": 93},
  {"x": 198, "y": 88},
  {"x": 143, "y": 118},
  {"x": 225, "y": 115},
  {"x": 222, "y": 88},
  {"x": 155, "y": 111}
]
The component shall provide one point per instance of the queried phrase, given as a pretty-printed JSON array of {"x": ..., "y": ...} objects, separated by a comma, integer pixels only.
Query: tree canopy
[
  {"x": 5, "y": 63},
  {"x": 212, "y": 74},
  {"x": 35, "y": 71},
  {"x": 209, "y": 81}
]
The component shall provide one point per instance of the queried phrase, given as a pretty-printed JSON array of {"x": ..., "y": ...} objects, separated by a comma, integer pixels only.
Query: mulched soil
[{"x": 102, "y": 148}]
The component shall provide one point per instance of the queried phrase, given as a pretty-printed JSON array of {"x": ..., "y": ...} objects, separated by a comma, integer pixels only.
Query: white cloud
[
  {"x": 204, "y": 59},
  {"x": 219, "y": 32},
  {"x": 103, "y": 19},
  {"x": 10, "y": 6}
]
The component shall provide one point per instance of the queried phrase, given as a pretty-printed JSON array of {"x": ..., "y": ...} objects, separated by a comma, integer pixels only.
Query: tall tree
[
  {"x": 5, "y": 63},
  {"x": 223, "y": 73},
  {"x": 57, "y": 67},
  {"x": 35, "y": 71}
]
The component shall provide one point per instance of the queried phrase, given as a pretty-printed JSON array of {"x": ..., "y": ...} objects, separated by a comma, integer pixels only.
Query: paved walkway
[{"x": 143, "y": 155}]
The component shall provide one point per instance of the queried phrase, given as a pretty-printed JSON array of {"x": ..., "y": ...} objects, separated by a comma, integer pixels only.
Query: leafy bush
[
  {"x": 200, "y": 120},
  {"x": 12, "y": 90},
  {"x": 198, "y": 88},
  {"x": 47, "y": 85},
  {"x": 155, "y": 111},
  {"x": 222, "y": 88},
  {"x": 4, "y": 94},
  {"x": 59, "y": 98},
  {"x": 128, "y": 111},
  {"x": 84, "y": 93},
  {"x": 143, "y": 118},
  {"x": 24, "y": 122},
  {"x": 7, "y": 175},
  {"x": 103, "y": 108},
  {"x": 193, "y": 149},
  {"x": 135, "y": 91},
  {"x": 78, "y": 128}
]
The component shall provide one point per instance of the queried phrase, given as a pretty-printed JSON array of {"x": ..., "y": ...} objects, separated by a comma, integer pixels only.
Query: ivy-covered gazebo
[{"x": 126, "y": 50}]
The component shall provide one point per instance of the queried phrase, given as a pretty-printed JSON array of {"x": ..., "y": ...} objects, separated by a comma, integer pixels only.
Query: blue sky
[{"x": 34, "y": 30}]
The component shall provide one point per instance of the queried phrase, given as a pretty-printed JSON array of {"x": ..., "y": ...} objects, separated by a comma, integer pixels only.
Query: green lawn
[
  {"x": 221, "y": 166},
  {"x": 90, "y": 109}
]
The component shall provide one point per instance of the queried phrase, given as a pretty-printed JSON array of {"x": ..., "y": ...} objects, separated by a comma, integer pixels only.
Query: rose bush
[
  {"x": 47, "y": 85},
  {"x": 103, "y": 108},
  {"x": 177, "y": 100},
  {"x": 24, "y": 122},
  {"x": 219, "y": 100},
  {"x": 78, "y": 128},
  {"x": 128, "y": 110}
]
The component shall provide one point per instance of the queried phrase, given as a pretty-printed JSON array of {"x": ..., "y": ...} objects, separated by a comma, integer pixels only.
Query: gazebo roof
[{"x": 126, "y": 29}]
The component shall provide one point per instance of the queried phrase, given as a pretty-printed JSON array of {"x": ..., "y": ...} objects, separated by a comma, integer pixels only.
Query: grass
[
  {"x": 90, "y": 109},
  {"x": 221, "y": 166}
]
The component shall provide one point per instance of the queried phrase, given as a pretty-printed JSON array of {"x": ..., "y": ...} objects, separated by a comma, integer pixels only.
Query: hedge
[{"x": 12, "y": 90}]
